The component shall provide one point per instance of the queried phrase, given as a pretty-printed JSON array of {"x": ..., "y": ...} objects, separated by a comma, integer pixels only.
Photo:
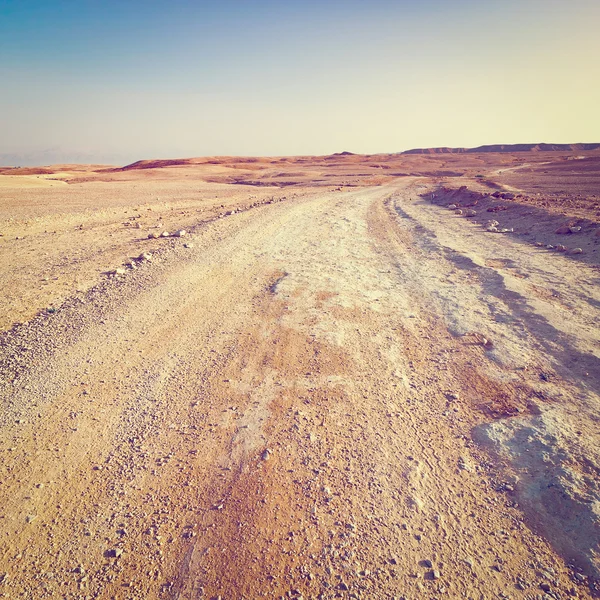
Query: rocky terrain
[{"x": 324, "y": 377}]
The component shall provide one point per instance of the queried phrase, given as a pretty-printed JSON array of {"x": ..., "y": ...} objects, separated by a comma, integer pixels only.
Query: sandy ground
[{"x": 317, "y": 392}]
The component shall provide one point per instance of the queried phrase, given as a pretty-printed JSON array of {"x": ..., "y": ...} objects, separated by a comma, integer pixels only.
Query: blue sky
[{"x": 124, "y": 80}]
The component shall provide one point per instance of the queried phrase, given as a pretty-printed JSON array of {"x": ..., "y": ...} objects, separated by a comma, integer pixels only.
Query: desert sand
[{"x": 349, "y": 377}]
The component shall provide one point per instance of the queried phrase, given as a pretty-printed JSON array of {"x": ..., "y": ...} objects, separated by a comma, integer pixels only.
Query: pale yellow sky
[{"x": 296, "y": 78}]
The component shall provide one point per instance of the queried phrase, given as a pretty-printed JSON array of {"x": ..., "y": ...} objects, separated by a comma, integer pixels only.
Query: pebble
[
  {"x": 470, "y": 213},
  {"x": 574, "y": 229},
  {"x": 180, "y": 233},
  {"x": 165, "y": 234},
  {"x": 188, "y": 245},
  {"x": 452, "y": 206},
  {"x": 145, "y": 256},
  {"x": 266, "y": 454},
  {"x": 576, "y": 251},
  {"x": 119, "y": 271},
  {"x": 153, "y": 235}
]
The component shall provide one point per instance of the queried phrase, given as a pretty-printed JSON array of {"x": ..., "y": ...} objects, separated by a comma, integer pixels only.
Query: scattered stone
[
  {"x": 539, "y": 244},
  {"x": 470, "y": 213},
  {"x": 427, "y": 563},
  {"x": 452, "y": 206},
  {"x": 153, "y": 236},
  {"x": 180, "y": 233},
  {"x": 464, "y": 464},
  {"x": 188, "y": 245},
  {"x": 561, "y": 248},
  {"x": 165, "y": 234},
  {"x": 453, "y": 395},
  {"x": 545, "y": 587},
  {"x": 576, "y": 251},
  {"x": 119, "y": 271},
  {"x": 113, "y": 553},
  {"x": 575, "y": 229},
  {"x": 145, "y": 256},
  {"x": 435, "y": 574},
  {"x": 563, "y": 230},
  {"x": 459, "y": 212},
  {"x": 549, "y": 246},
  {"x": 343, "y": 586},
  {"x": 266, "y": 455},
  {"x": 30, "y": 518}
]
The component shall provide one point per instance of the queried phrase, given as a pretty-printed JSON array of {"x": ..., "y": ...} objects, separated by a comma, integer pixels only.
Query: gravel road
[{"x": 349, "y": 394}]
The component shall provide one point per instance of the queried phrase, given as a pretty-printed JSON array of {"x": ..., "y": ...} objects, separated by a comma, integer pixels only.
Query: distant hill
[{"x": 507, "y": 148}]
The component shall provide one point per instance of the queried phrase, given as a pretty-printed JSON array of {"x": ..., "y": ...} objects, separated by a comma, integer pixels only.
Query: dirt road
[{"x": 348, "y": 394}]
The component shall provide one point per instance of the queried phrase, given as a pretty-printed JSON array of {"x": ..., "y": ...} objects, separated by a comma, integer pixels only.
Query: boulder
[{"x": 563, "y": 230}]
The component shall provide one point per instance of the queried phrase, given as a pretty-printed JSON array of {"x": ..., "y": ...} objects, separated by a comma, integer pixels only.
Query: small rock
[
  {"x": 30, "y": 518},
  {"x": 470, "y": 213},
  {"x": 574, "y": 229},
  {"x": 145, "y": 256},
  {"x": 165, "y": 234},
  {"x": 545, "y": 587},
  {"x": 459, "y": 212},
  {"x": 114, "y": 553},
  {"x": 266, "y": 454},
  {"x": 492, "y": 223},
  {"x": 188, "y": 245},
  {"x": 549, "y": 246},
  {"x": 452, "y": 206},
  {"x": 119, "y": 271},
  {"x": 153, "y": 235},
  {"x": 564, "y": 229},
  {"x": 435, "y": 574},
  {"x": 561, "y": 248},
  {"x": 427, "y": 563},
  {"x": 180, "y": 233},
  {"x": 342, "y": 586},
  {"x": 576, "y": 251}
]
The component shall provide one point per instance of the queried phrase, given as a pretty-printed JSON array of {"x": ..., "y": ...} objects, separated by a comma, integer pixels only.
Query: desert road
[{"x": 350, "y": 393}]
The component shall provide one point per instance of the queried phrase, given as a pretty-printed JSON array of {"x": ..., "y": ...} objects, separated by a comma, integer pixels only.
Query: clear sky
[{"x": 122, "y": 80}]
